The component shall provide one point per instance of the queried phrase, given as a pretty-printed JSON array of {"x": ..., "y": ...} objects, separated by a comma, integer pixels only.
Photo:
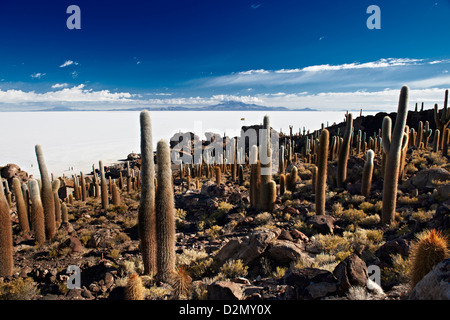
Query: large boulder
[
  {"x": 285, "y": 251},
  {"x": 10, "y": 170},
  {"x": 310, "y": 283},
  {"x": 322, "y": 223},
  {"x": 224, "y": 290},
  {"x": 352, "y": 271},
  {"x": 397, "y": 246},
  {"x": 246, "y": 248},
  {"x": 435, "y": 285},
  {"x": 427, "y": 178}
]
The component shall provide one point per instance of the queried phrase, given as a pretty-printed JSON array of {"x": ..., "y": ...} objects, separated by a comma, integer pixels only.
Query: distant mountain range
[{"x": 225, "y": 106}]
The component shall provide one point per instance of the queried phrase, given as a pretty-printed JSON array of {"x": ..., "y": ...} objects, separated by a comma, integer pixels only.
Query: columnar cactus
[
  {"x": 282, "y": 184},
  {"x": 103, "y": 187},
  {"x": 270, "y": 193},
  {"x": 218, "y": 172},
  {"x": 46, "y": 195},
  {"x": 37, "y": 212},
  {"x": 6, "y": 242},
  {"x": 436, "y": 140},
  {"x": 427, "y": 132},
  {"x": 83, "y": 187},
  {"x": 442, "y": 121},
  {"x": 445, "y": 142},
  {"x": 419, "y": 134},
  {"x": 266, "y": 168},
  {"x": 344, "y": 153},
  {"x": 164, "y": 214},
  {"x": 22, "y": 210},
  {"x": 366, "y": 181},
  {"x": 146, "y": 214},
  {"x": 404, "y": 151},
  {"x": 321, "y": 179},
  {"x": 255, "y": 178},
  {"x": 55, "y": 187},
  {"x": 64, "y": 215},
  {"x": 115, "y": 194},
  {"x": 393, "y": 148},
  {"x": 291, "y": 179}
]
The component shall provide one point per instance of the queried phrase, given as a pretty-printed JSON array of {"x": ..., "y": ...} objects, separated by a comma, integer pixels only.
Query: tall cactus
[
  {"x": 366, "y": 181},
  {"x": 445, "y": 142},
  {"x": 6, "y": 243},
  {"x": 46, "y": 195},
  {"x": 344, "y": 153},
  {"x": 164, "y": 214},
  {"x": 103, "y": 187},
  {"x": 83, "y": 187},
  {"x": 266, "y": 168},
  {"x": 55, "y": 187},
  {"x": 442, "y": 121},
  {"x": 37, "y": 212},
  {"x": 146, "y": 215},
  {"x": 22, "y": 210},
  {"x": 255, "y": 178},
  {"x": 393, "y": 148},
  {"x": 321, "y": 179}
]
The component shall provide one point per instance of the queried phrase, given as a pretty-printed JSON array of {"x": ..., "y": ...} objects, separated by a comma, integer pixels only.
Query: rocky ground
[{"x": 228, "y": 250}]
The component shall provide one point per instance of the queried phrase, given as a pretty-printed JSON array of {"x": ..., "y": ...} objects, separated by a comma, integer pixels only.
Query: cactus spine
[
  {"x": 344, "y": 152},
  {"x": 6, "y": 243},
  {"x": 164, "y": 214},
  {"x": 366, "y": 181},
  {"x": 37, "y": 212},
  {"x": 146, "y": 215},
  {"x": 321, "y": 178},
  {"x": 22, "y": 210},
  {"x": 46, "y": 195},
  {"x": 393, "y": 148}
]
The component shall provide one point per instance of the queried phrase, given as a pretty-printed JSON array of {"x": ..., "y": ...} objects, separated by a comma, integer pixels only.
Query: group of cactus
[{"x": 40, "y": 210}]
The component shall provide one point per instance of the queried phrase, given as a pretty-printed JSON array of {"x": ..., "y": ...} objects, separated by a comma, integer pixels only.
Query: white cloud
[
  {"x": 68, "y": 63},
  {"x": 37, "y": 75},
  {"x": 59, "y": 85},
  {"x": 74, "y": 94},
  {"x": 259, "y": 71}
]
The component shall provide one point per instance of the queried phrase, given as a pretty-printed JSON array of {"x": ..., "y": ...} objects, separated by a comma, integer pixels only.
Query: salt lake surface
[{"x": 80, "y": 139}]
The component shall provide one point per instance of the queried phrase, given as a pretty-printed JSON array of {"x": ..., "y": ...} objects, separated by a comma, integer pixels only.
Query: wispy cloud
[
  {"x": 37, "y": 75},
  {"x": 68, "y": 63},
  {"x": 379, "y": 74}
]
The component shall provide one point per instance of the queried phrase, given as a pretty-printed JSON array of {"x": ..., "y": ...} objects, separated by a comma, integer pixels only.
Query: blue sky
[{"x": 297, "y": 54}]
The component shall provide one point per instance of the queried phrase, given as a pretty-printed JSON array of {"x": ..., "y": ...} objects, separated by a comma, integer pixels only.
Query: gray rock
[
  {"x": 428, "y": 177},
  {"x": 284, "y": 251},
  {"x": 246, "y": 249},
  {"x": 352, "y": 271},
  {"x": 435, "y": 285},
  {"x": 309, "y": 283},
  {"x": 224, "y": 290},
  {"x": 322, "y": 223}
]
